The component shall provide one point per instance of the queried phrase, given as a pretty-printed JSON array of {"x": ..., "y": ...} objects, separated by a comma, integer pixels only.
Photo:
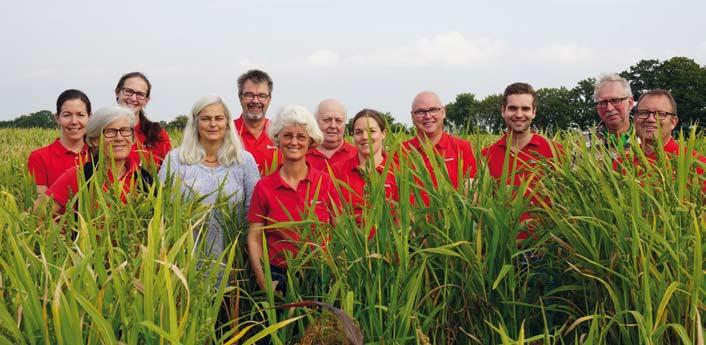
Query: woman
[
  {"x": 45, "y": 164},
  {"x": 211, "y": 162},
  {"x": 113, "y": 127},
  {"x": 151, "y": 140},
  {"x": 369, "y": 132},
  {"x": 290, "y": 193}
]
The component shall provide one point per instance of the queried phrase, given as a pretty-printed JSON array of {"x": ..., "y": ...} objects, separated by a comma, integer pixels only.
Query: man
[
  {"x": 255, "y": 94},
  {"x": 519, "y": 155},
  {"x": 614, "y": 101},
  {"x": 331, "y": 118},
  {"x": 428, "y": 114},
  {"x": 655, "y": 120}
]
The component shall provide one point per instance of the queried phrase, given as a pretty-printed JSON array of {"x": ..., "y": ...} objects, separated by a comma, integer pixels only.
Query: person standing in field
[
  {"x": 331, "y": 117},
  {"x": 255, "y": 94},
  {"x": 293, "y": 192},
  {"x": 369, "y": 131},
  {"x": 655, "y": 120},
  {"x": 109, "y": 135},
  {"x": 46, "y": 164},
  {"x": 211, "y": 164},
  {"x": 520, "y": 155},
  {"x": 614, "y": 101},
  {"x": 456, "y": 154},
  {"x": 151, "y": 141}
]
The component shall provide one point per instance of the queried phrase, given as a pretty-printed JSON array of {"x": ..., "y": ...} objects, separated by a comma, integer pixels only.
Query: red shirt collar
[
  {"x": 536, "y": 140},
  {"x": 240, "y": 126},
  {"x": 311, "y": 176},
  {"x": 58, "y": 148},
  {"x": 444, "y": 141}
]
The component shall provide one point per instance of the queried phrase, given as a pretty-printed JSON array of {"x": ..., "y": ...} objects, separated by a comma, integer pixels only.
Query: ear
[{"x": 674, "y": 121}]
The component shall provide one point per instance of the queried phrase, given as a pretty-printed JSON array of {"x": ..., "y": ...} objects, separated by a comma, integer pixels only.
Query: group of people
[{"x": 298, "y": 166}]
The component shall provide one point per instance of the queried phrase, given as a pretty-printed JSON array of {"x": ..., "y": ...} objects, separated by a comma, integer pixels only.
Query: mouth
[{"x": 255, "y": 107}]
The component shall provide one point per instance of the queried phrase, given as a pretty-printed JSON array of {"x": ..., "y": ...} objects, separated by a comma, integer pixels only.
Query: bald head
[
  {"x": 428, "y": 114},
  {"x": 331, "y": 117}
]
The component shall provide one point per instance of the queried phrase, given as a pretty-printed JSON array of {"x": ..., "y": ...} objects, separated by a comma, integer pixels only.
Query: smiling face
[
  {"x": 616, "y": 118},
  {"x": 72, "y": 119},
  {"x": 119, "y": 145},
  {"x": 293, "y": 142},
  {"x": 648, "y": 129},
  {"x": 519, "y": 113},
  {"x": 212, "y": 124},
  {"x": 428, "y": 115},
  {"x": 331, "y": 118},
  {"x": 368, "y": 136},
  {"x": 255, "y": 100},
  {"x": 138, "y": 90}
]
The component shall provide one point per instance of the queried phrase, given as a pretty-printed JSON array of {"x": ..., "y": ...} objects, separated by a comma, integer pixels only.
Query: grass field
[{"x": 616, "y": 259}]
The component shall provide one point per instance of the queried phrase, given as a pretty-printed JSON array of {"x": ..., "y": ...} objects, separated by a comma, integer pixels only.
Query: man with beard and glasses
[
  {"x": 331, "y": 118},
  {"x": 255, "y": 94},
  {"x": 520, "y": 155}
]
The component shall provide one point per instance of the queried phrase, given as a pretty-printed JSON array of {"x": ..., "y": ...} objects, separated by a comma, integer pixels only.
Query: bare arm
[
  {"x": 255, "y": 252},
  {"x": 41, "y": 190}
]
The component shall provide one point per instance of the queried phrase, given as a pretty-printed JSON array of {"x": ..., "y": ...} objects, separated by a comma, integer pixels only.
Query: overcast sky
[{"x": 375, "y": 54}]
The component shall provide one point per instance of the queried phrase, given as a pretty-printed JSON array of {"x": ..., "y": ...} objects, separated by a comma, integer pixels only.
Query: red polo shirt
[
  {"x": 524, "y": 164},
  {"x": 454, "y": 151},
  {"x": 150, "y": 154},
  {"x": 353, "y": 194},
  {"x": 47, "y": 163},
  {"x": 672, "y": 149},
  {"x": 318, "y": 159},
  {"x": 66, "y": 186},
  {"x": 274, "y": 201},
  {"x": 262, "y": 148}
]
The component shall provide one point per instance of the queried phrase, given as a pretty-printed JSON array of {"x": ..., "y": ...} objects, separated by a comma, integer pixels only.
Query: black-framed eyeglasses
[
  {"x": 434, "y": 111},
  {"x": 614, "y": 101},
  {"x": 659, "y": 115},
  {"x": 113, "y": 132},
  {"x": 128, "y": 92},
  {"x": 249, "y": 96}
]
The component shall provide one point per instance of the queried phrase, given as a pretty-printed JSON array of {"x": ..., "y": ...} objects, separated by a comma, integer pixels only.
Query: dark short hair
[
  {"x": 374, "y": 114},
  {"x": 256, "y": 76},
  {"x": 520, "y": 89},
  {"x": 72, "y": 94},
  {"x": 121, "y": 81},
  {"x": 659, "y": 92}
]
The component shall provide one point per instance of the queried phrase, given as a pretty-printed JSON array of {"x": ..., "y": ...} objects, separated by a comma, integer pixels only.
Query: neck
[
  {"x": 120, "y": 168},
  {"x": 363, "y": 159},
  {"x": 71, "y": 144},
  {"x": 650, "y": 146},
  {"x": 434, "y": 137},
  {"x": 255, "y": 127},
  {"x": 329, "y": 149},
  {"x": 623, "y": 128},
  {"x": 292, "y": 172},
  {"x": 211, "y": 147},
  {"x": 520, "y": 139}
]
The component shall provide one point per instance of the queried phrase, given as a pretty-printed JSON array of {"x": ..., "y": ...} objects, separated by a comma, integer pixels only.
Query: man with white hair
[
  {"x": 614, "y": 101},
  {"x": 331, "y": 118}
]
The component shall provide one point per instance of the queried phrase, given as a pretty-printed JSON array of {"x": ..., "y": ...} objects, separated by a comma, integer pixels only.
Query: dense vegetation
[{"x": 615, "y": 259}]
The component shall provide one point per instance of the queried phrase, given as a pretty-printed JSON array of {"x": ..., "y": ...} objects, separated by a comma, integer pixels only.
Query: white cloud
[
  {"x": 323, "y": 58},
  {"x": 570, "y": 53},
  {"x": 448, "y": 49}
]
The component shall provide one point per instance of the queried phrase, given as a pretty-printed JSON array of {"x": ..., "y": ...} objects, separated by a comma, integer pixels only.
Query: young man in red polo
[
  {"x": 655, "y": 120},
  {"x": 520, "y": 154},
  {"x": 255, "y": 94},
  {"x": 331, "y": 118},
  {"x": 428, "y": 114}
]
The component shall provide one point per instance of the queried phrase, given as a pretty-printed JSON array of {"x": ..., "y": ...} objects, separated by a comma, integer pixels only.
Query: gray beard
[{"x": 253, "y": 117}]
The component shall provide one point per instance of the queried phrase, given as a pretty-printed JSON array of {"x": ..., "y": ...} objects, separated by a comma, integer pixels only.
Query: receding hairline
[
  {"x": 330, "y": 102},
  {"x": 422, "y": 94}
]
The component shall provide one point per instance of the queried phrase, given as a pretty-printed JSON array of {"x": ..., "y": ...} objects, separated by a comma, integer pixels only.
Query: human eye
[
  {"x": 526, "y": 108},
  {"x": 302, "y": 137},
  {"x": 220, "y": 118},
  {"x": 512, "y": 108}
]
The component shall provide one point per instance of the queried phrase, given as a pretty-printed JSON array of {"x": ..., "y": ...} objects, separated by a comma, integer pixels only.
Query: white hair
[
  {"x": 611, "y": 78},
  {"x": 295, "y": 115},
  {"x": 192, "y": 152},
  {"x": 104, "y": 117}
]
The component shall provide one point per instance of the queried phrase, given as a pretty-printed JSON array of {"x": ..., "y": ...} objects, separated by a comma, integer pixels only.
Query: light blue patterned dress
[{"x": 211, "y": 184}]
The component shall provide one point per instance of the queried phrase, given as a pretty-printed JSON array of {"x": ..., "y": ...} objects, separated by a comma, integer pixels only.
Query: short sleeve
[
  {"x": 250, "y": 177},
  {"x": 37, "y": 168},
  {"x": 64, "y": 187},
  {"x": 258, "y": 210}
]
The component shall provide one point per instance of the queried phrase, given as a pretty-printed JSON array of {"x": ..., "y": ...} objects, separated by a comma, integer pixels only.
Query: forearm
[{"x": 255, "y": 252}]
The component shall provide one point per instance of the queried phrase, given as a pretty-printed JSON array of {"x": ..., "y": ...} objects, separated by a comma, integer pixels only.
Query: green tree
[
  {"x": 40, "y": 119},
  {"x": 462, "y": 112},
  {"x": 584, "y": 113},
  {"x": 178, "y": 123},
  {"x": 554, "y": 108},
  {"x": 489, "y": 118}
]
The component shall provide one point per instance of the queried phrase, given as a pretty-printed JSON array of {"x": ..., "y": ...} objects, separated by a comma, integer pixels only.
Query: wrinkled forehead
[
  {"x": 331, "y": 110},
  {"x": 655, "y": 103}
]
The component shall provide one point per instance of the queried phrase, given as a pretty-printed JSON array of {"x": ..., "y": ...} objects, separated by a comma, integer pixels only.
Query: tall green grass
[{"x": 616, "y": 258}]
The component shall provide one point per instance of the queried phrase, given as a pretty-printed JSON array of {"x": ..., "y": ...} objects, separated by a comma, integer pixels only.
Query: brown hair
[
  {"x": 520, "y": 89},
  {"x": 659, "y": 92},
  {"x": 149, "y": 128},
  {"x": 374, "y": 114},
  {"x": 256, "y": 76}
]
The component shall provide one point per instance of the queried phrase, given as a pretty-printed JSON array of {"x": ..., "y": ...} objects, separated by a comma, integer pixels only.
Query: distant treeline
[
  {"x": 557, "y": 108},
  {"x": 562, "y": 108}
]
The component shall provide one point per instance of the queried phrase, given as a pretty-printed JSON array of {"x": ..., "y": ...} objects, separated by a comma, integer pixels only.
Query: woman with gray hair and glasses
[
  {"x": 293, "y": 192},
  {"x": 109, "y": 136},
  {"x": 212, "y": 165}
]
